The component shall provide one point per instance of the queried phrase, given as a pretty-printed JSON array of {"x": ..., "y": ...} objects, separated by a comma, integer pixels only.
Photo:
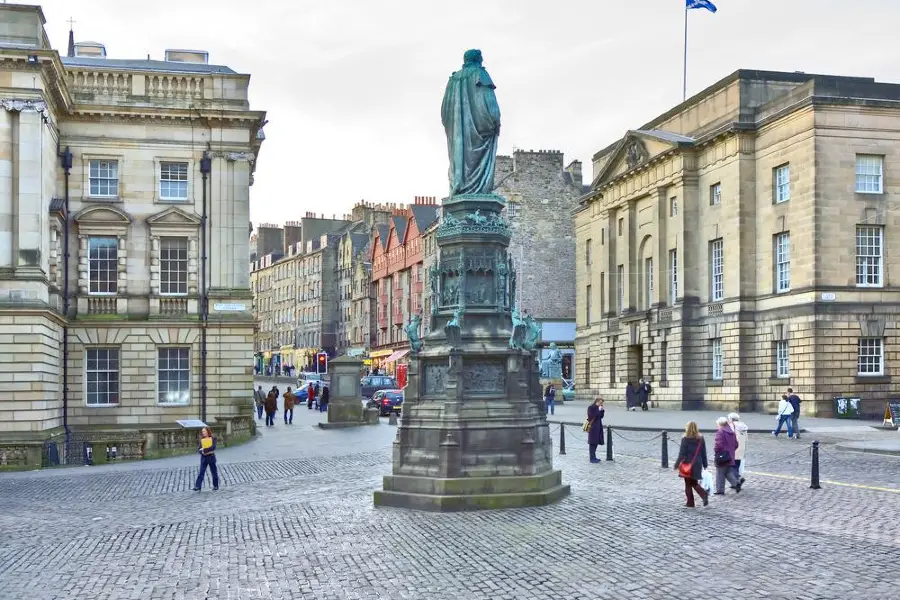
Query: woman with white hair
[
  {"x": 725, "y": 446},
  {"x": 740, "y": 431}
]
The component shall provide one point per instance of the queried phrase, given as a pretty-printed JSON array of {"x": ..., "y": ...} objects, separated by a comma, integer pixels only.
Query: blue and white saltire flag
[{"x": 695, "y": 4}]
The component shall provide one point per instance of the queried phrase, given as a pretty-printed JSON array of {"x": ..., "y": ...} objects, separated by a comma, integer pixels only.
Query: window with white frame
[
  {"x": 173, "y": 375},
  {"x": 103, "y": 178},
  {"x": 587, "y": 302},
  {"x": 715, "y": 194},
  {"x": 173, "y": 266},
  {"x": 783, "y": 262},
  {"x": 782, "y": 359},
  {"x": 717, "y": 270},
  {"x": 869, "y": 174},
  {"x": 588, "y": 253},
  {"x": 673, "y": 206},
  {"x": 782, "y": 178},
  {"x": 673, "y": 276},
  {"x": 717, "y": 358},
  {"x": 512, "y": 209},
  {"x": 648, "y": 277},
  {"x": 103, "y": 265},
  {"x": 870, "y": 356},
  {"x": 620, "y": 284},
  {"x": 869, "y": 256},
  {"x": 173, "y": 181},
  {"x": 101, "y": 373}
]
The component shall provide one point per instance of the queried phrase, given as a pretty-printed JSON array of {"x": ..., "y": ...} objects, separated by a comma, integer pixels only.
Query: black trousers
[
  {"x": 208, "y": 461},
  {"x": 592, "y": 448}
]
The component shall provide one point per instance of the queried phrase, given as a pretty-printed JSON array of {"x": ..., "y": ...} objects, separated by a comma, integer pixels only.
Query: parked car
[
  {"x": 305, "y": 377},
  {"x": 373, "y": 383},
  {"x": 386, "y": 401}
]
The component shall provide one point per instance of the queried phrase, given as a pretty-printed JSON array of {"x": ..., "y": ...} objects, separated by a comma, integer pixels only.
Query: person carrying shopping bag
[
  {"x": 785, "y": 412},
  {"x": 725, "y": 445},
  {"x": 691, "y": 463}
]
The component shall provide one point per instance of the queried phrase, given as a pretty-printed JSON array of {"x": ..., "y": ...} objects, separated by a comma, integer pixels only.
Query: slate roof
[
  {"x": 383, "y": 231},
  {"x": 57, "y": 205},
  {"x": 424, "y": 215},
  {"x": 145, "y": 65},
  {"x": 358, "y": 241},
  {"x": 400, "y": 226}
]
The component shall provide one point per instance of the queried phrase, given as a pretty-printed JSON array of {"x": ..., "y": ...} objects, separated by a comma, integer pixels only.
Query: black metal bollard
[
  {"x": 562, "y": 438},
  {"x": 665, "y": 450},
  {"x": 814, "y": 476},
  {"x": 609, "y": 452}
]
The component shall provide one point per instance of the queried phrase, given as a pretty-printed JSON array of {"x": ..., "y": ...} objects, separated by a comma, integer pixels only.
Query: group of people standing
[
  {"x": 267, "y": 402},
  {"x": 638, "y": 394}
]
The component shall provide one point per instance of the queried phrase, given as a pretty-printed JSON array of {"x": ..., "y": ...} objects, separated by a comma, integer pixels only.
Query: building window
[
  {"x": 870, "y": 356},
  {"x": 673, "y": 276},
  {"x": 588, "y": 259},
  {"x": 602, "y": 294},
  {"x": 717, "y": 359},
  {"x": 673, "y": 206},
  {"x": 869, "y": 174},
  {"x": 782, "y": 176},
  {"x": 612, "y": 365},
  {"x": 620, "y": 283},
  {"x": 173, "y": 181},
  {"x": 512, "y": 209},
  {"x": 783, "y": 262},
  {"x": 664, "y": 358},
  {"x": 648, "y": 276},
  {"x": 587, "y": 303},
  {"x": 782, "y": 359},
  {"x": 104, "y": 178},
  {"x": 173, "y": 375},
  {"x": 602, "y": 236},
  {"x": 717, "y": 268},
  {"x": 103, "y": 265},
  {"x": 173, "y": 266},
  {"x": 869, "y": 256},
  {"x": 715, "y": 194},
  {"x": 621, "y": 226},
  {"x": 587, "y": 372},
  {"x": 102, "y": 376}
]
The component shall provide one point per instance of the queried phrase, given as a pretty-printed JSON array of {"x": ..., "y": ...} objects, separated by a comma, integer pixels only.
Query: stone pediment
[
  {"x": 102, "y": 220},
  {"x": 636, "y": 149},
  {"x": 173, "y": 219}
]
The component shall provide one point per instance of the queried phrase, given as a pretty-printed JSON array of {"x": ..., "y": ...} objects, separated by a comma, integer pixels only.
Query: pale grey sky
[{"x": 353, "y": 87}]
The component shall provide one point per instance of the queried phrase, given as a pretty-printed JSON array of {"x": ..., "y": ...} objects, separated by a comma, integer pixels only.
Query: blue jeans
[
  {"x": 551, "y": 405},
  {"x": 208, "y": 461},
  {"x": 288, "y": 416},
  {"x": 785, "y": 419},
  {"x": 259, "y": 411}
]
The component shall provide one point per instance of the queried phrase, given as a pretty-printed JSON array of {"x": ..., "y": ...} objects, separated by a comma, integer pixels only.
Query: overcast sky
[{"x": 353, "y": 87}]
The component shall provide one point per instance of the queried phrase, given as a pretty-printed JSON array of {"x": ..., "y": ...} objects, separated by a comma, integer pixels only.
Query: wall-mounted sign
[
  {"x": 229, "y": 307},
  {"x": 828, "y": 296}
]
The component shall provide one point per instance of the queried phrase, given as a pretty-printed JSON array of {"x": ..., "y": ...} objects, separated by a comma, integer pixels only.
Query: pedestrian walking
[
  {"x": 795, "y": 401},
  {"x": 323, "y": 402},
  {"x": 316, "y": 395},
  {"x": 643, "y": 394},
  {"x": 550, "y": 399},
  {"x": 723, "y": 449},
  {"x": 310, "y": 395},
  {"x": 690, "y": 464},
  {"x": 740, "y": 431},
  {"x": 631, "y": 396},
  {"x": 785, "y": 410},
  {"x": 289, "y": 400},
  {"x": 207, "y": 451},
  {"x": 595, "y": 414},
  {"x": 259, "y": 397},
  {"x": 271, "y": 406}
]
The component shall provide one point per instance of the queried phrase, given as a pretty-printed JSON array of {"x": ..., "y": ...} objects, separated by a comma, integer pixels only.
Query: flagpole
[{"x": 684, "y": 76}]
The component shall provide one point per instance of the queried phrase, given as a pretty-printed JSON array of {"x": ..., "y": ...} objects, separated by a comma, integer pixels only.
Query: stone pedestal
[
  {"x": 345, "y": 407},
  {"x": 474, "y": 434}
]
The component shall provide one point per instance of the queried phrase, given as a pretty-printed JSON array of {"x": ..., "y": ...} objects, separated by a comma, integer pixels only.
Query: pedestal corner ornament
[{"x": 474, "y": 433}]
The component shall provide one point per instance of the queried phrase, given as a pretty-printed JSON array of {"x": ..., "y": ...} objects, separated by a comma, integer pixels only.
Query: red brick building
[{"x": 398, "y": 279}]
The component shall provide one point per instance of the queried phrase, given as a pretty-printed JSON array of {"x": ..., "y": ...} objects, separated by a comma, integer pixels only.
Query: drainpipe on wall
[
  {"x": 66, "y": 157},
  {"x": 205, "y": 168}
]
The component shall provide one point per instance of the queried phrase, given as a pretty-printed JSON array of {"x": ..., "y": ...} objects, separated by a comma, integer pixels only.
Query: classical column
[
  {"x": 29, "y": 203},
  {"x": 6, "y": 189}
]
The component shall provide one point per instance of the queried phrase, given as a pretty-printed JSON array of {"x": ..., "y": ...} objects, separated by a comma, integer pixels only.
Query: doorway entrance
[{"x": 635, "y": 366}]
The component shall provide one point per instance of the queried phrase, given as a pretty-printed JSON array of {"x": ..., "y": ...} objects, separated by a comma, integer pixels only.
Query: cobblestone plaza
[{"x": 295, "y": 519}]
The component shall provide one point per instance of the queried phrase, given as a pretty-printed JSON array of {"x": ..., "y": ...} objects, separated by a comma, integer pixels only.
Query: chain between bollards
[
  {"x": 665, "y": 450},
  {"x": 609, "y": 449},
  {"x": 562, "y": 438},
  {"x": 814, "y": 475}
]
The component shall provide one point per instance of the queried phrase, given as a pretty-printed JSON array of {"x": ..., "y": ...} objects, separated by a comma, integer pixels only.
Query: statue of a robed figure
[
  {"x": 471, "y": 118},
  {"x": 474, "y": 433}
]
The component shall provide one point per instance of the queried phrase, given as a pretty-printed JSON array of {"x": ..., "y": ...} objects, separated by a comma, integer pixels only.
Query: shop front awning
[
  {"x": 396, "y": 356},
  {"x": 380, "y": 353}
]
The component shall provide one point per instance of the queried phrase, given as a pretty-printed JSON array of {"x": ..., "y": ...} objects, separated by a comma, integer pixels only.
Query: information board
[{"x": 892, "y": 413}]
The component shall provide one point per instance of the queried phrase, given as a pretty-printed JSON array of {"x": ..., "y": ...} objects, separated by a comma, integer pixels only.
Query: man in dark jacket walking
[
  {"x": 794, "y": 399},
  {"x": 271, "y": 406},
  {"x": 643, "y": 393}
]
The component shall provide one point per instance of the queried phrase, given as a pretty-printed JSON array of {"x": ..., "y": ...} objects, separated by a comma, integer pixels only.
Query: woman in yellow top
[{"x": 207, "y": 459}]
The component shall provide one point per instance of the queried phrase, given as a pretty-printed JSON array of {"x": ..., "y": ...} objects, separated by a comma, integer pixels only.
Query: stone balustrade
[
  {"x": 173, "y": 306},
  {"x": 102, "y": 305}
]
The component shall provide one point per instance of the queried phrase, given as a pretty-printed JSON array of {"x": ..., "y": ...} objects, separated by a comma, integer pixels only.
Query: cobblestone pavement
[{"x": 294, "y": 519}]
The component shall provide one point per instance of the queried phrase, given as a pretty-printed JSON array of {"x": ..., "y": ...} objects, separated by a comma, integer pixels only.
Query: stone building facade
[
  {"x": 541, "y": 192},
  {"x": 105, "y": 264},
  {"x": 740, "y": 243}
]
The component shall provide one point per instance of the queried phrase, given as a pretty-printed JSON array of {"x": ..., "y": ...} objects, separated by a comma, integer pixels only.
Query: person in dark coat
[
  {"x": 693, "y": 450},
  {"x": 271, "y": 406},
  {"x": 725, "y": 446},
  {"x": 643, "y": 394},
  {"x": 631, "y": 396},
  {"x": 595, "y": 414},
  {"x": 323, "y": 402}
]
